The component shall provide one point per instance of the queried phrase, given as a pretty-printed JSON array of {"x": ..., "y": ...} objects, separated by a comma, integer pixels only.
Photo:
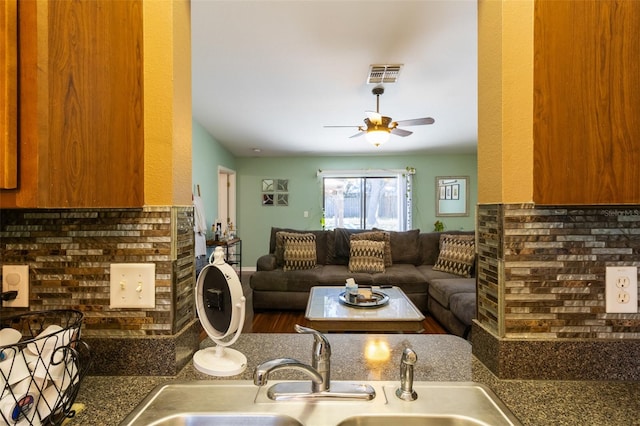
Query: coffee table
[{"x": 326, "y": 313}]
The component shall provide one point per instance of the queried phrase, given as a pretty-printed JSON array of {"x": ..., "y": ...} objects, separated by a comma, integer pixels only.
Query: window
[{"x": 367, "y": 199}]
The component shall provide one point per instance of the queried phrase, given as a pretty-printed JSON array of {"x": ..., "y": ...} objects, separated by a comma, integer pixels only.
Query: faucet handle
[{"x": 321, "y": 342}]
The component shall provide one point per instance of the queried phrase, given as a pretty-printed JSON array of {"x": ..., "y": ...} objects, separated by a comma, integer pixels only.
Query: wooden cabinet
[
  {"x": 81, "y": 128},
  {"x": 9, "y": 94},
  {"x": 586, "y": 98}
]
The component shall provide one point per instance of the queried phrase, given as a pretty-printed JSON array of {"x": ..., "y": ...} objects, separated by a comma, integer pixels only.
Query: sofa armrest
[{"x": 266, "y": 262}]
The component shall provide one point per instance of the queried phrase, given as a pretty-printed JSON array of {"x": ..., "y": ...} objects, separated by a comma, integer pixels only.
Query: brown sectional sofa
[{"x": 449, "y": 298}]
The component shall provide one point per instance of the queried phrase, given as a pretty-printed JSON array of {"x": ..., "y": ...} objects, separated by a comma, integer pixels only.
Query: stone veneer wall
[
  {"x": 69, "y": 252},
  {"x": 541, "y": 291}
]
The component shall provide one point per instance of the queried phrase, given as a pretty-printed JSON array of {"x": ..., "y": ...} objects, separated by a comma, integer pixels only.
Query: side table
[{"x": 232, "y": 252}]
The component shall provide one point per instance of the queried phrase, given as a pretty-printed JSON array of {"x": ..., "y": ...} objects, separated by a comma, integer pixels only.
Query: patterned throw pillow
[
  {"x": 279, "y": 252},
  {"x": 366, "y": 256},
  {"x": 299, "y": 251},
  {"x": 457, "y": 254},
  {"x": 383, "y": 236}
]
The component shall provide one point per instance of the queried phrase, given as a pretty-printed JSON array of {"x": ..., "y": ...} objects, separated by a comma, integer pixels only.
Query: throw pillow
[
  {"x": 279, "y": 251},
  {"x": 457, "y": 254},
  {"x": 383, "y": 236},
  {"x": 366, "y": 256},
  {"x": 299, "y": 251}
]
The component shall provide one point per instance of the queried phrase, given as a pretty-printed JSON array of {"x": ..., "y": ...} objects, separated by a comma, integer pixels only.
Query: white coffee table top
[{"x": 324, "y": 305}]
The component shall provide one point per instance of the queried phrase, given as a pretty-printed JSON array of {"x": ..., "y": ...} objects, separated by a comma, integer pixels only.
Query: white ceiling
[{"x": 270, "y": 74}]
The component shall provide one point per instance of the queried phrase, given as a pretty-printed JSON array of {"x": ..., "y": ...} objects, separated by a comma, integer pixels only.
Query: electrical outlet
[
  {"x": 16, "y": 278},
  {"x": 133, "y": 285},
  {"x": 622, "y": 289}
]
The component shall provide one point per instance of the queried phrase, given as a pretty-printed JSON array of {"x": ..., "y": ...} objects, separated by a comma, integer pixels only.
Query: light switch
[{"x": 133, "y": 285}]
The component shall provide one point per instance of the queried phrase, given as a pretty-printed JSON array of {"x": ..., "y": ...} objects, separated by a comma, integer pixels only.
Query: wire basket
[{"x": 42, "y": 367}]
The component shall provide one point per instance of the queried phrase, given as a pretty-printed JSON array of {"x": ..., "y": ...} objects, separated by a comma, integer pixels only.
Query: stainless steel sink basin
[
  {"x": 231, "y": 402},
  {"x": 411, "y": 421},
  {"x": 230, "y": 419}
]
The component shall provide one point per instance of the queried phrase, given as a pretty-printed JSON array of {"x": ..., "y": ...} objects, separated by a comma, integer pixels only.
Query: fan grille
[{"x": 383, "y": 74}]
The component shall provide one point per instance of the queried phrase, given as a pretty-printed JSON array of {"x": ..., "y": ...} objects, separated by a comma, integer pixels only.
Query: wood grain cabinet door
[{"x": 9, "y": 94}]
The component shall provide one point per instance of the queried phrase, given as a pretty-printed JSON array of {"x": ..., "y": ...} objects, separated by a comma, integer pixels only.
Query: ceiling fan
[{"x": 379, "y": 127}]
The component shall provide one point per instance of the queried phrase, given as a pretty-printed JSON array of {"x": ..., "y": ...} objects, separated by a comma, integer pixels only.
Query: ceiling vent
[{"x": 379, "y": 74}]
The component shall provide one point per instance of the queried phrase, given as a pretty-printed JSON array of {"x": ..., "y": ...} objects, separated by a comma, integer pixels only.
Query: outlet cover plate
[
  {"x": 133, "y": 285},
  {"x": 16, "y": 277},
  {"x": 622, "y": 289}
]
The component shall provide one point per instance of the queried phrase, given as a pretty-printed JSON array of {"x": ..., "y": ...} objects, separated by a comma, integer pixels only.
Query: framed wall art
[
  {"x": 452, "y": 196},
  {"x": 275, "y": 192}
]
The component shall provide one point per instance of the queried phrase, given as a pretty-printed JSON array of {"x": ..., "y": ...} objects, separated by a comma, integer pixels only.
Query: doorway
[{"x": 227, "y": 196}]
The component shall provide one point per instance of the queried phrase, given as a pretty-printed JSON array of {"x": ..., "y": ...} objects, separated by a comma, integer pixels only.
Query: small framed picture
[
  {"x": 447, "y": 192},
  {"x": 267, "y": 199},
  {"x": 267, "y": 185},
  {"x": 455, "y": 192},
  {"x": 282, "y": 199}
]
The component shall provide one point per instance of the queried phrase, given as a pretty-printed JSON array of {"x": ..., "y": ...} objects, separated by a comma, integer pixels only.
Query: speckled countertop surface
[{"x": 108, "y": 399}]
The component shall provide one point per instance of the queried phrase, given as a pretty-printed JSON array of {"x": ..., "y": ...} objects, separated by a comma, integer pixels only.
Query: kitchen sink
[
  {"x": 411, "y": 421},
  {"x": 240, "y": 402},
  {"x": 229, "y": 419}
]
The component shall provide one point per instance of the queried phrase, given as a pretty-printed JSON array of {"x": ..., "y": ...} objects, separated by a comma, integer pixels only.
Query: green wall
[
  {"x": 255, "y": 221},
  {"x": 208, "y": 154}
]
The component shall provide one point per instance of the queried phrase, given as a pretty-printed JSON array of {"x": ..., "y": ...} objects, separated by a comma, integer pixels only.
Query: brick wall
[
  {"x": 553, "y": 261},
  {"x": 69, "y": 252}
]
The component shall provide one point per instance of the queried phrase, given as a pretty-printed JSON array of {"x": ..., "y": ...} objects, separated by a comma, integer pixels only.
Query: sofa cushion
[
  {"x": 429, "y": 247},
  {"x": 342, "y": 243},
  {"x": 331, "y": 249},
  {"x": 405, "y": 247},
  {"x": 281, "y": 281},
  {"x": 366, "y": 256},
  {"x": 441, "y": 290},
  {"x": 266, "y": 262},
  {"x": 430, "y": 275},
  {"x": 299, "y": 251},
  {"x": 463, "y": 306},
  {"x": 338, "y": 274},
  {"x": 402, "y": 275},
  {"x": 457, "y": 254},
  {"x": 383, "y": 236}
]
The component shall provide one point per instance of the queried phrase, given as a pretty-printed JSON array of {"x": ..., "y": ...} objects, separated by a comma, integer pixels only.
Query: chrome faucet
[
  {"x": 261, "y": 373},
  {"x": 319, "y": 371},
  {"x": 320, "y": 358},
  {"x": 405, "y": 391}
]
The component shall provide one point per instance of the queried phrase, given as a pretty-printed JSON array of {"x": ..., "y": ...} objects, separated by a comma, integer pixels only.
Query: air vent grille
[{"x": 383, "y": 74}]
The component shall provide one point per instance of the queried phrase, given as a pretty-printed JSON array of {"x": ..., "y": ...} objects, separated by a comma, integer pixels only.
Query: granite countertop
[{"x": 108, "y": 399}]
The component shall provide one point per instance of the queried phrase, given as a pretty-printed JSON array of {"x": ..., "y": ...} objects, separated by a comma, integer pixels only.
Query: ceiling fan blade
[
  {"x": 342, "y": 126},
  {"x": 416, "y": 122},
  {"x": 374, "y": 117},
  {"x": 360, "y": 133},
  {"x": 401, "y": 132}
]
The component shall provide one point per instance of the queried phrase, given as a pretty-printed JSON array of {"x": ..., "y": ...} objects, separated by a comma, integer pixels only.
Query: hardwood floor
[{"x": 283, "y": 322}]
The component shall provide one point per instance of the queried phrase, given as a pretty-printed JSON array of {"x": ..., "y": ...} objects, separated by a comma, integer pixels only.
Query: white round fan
[{"x": 221, "y": 309}]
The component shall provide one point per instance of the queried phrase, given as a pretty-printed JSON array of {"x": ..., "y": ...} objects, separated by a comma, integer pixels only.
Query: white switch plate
[
  {"x": 133, "y": 285},
  {"x": 622, "y": 289},
  {"x": 16, "y": 277}
]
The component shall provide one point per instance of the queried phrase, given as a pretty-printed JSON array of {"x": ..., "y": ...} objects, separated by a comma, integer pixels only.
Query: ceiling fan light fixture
[{"x": 378, "y": 138}]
